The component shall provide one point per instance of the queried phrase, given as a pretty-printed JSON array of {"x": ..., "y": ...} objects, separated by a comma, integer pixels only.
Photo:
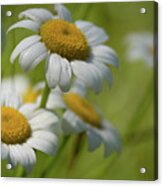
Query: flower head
[
  {"x": 25, "y": 128},
  {"x": 140, "y": 47},
  {"x": 70, "y": 49},
  {"x": 21, "y": 85},
  {"x": 81, "y": 116},
  {"x": 18, "y": 84}
]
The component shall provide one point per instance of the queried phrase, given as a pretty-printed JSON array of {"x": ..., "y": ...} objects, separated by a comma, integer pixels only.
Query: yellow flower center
[
  {"x": 30, "y": 95},
  {"x": 15, "y": 128},
  {"x": 82, "y": 108},
  {"x": 65, "y": 39}
]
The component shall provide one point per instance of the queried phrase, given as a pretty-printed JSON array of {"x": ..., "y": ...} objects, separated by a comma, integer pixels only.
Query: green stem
[
  {"x": 53, "y": 161},
  {"x": 45, "y": 96},
  {"x": 76, "y": 150}
]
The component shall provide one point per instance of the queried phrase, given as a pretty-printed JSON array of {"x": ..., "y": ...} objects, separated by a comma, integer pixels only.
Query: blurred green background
[{"x": 129, "y": 104}]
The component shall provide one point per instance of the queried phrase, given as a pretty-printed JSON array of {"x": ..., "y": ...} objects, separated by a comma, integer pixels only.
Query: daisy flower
[
  {"x": 140, "y": 47},
  {"x": 81, "y": 116},
  {"x": 70, "y": 49},
  {"x": 18, "y": 83},
  {"x": 25, "y": 128},
  {"x": 21, "y": 85}
]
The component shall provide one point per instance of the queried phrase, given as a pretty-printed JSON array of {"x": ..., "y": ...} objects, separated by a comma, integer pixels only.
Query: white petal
[
  {"x": 42, "y": 145},
  {"x": 24, "y": 155},
  {"x": 72, "y": 123},
  {"x": 10, "y": 100},
  {"x": 55, "y": 100},
  {"x": 84, "y": 26},
  {"x": 40, "y": 58},
  {"x": 87, "y": 73},
  {"x": 27, "y": 57},
  {"x": 36, "y": 14},
  {"x": 7, "y": 84},
  {"x": 95, "y": 35},
  {"x": 21, "y": 83},
  {"x": 65, "y": 77},
  {"x": 47, "y": 136},
  {"x": 105, "y": 72},
  {"x": 39, "y": 86},
  {"x": 18, "y": 84},
  {"x": 94, "y": 140},
  {"x": 38, "y": 100},
  {"x": 105, "y": 55},
  {"x": 30, "y": 156},
  {"x": 27, "y": 109},
  {"x": 63, "y": 12},
  {"x": 27, "y": 24},
  {"x": 43, "y": 119},
  {"x": 53, "y": 70},
  {"x": 107, "y": 126},
  {"x": 79, "y": 87},
  {"x": 17, "y": 155},
  {"x": 108, "y": 149},
  {"x": 24, "y": 44},
  {"x": 13, "y": 155},
  {"x": 110, "y": 138},
  {"x": 4, "y": 151}
]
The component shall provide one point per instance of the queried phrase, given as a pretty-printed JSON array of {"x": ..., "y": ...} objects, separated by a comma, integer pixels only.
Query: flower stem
[
  {"x": 52, "y": 162},
  {"x": 45, "y": 96},
  {"x": 76, "y": 150}
]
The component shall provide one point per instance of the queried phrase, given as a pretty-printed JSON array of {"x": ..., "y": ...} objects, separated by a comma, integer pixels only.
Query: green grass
[{"x": 128, "y": 104}]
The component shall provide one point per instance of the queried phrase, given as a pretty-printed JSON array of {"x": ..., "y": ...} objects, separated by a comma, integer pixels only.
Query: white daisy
[
  {"x": 82, "y": 116},
  {"x": 68, "y": 48},
  {"x": 21, "y": 85},
  {"x": 140, "y": 47},
  {"x": 24, "y": 129}
]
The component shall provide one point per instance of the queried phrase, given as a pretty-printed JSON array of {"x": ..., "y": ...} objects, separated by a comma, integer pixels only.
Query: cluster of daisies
[{"x": 76, "y": 60}]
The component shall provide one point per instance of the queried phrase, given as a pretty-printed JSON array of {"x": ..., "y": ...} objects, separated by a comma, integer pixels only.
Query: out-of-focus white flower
[
  {"x": 25, "y": 128},
  {"x": 68, "y": 48},
  {"x": 17, "y": 83},
  {"x": 81, "y": 116},
  {"x": 140, "y": 48},
  {"x": 21, "y": 85}
]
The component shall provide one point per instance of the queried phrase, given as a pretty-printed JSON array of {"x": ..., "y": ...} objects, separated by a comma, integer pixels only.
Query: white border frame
[{"x": 70, "y": 182}]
